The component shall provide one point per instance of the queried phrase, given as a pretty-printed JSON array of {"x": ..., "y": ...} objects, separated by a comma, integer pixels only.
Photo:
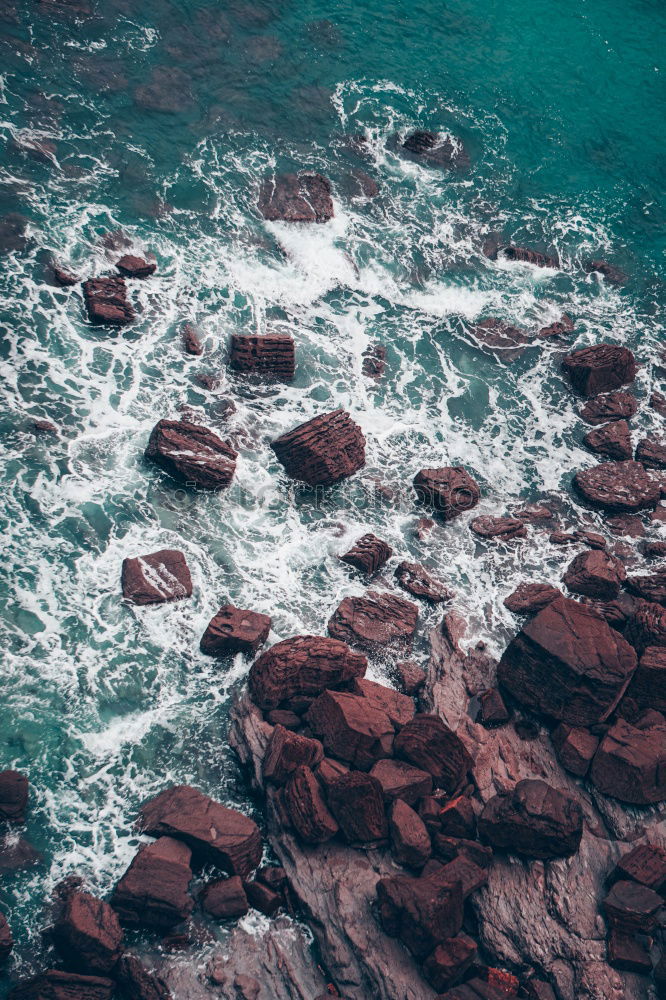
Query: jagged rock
[
  {"x": 451, "y": 848},
  {"x": 376, "y": 619},
  {"x": 575, "y": 748},
  {"x": 657, "y": 402},
  {"x": 357, "y": 802},
  {"x": 56, "y": 985},
  {"x": 600, "y": 368},
  {"x": 625, "y": 952},
  {"x": 416, "y": 580},
  {"x": 153, "y": 892},
  {"x": 493, "y": 711},
  {"x": 457, "y": 818},
  {"x": 450, "y": 491},
  {"x": 410, "y": 676},
  {"x": 398, "y": 707},
  {"x": 303, "y": 197},
  {"x": 630, "y": 764},
  {"x": 217, "y": 835},
  {"x": 611, "y": 406},
  {"x": 273, "y": 355},
  {"x": 632, "y": 907},
  {"x": 595, "y": 574},
  {"x": 525, "y": 256},
  {"x": 261, "y": 897},
  {"x": 560, "y": 328},
  {"x": 648, "y": 685},
  {"x": 156, "y": 578},
  {"x": 567, "y": 662},
  {"x": 400, "y": 780},
  {"x": 531, "y": 597},
  {"x": 651, "y": 452},
  {"x": 449, "y": 961},
  {"x": 504, "y": 341},
  {"x": 410, "y": 841},
  {"x": 610, "y": 272},
  {"x": 534, "y": 819},
  {"x": 6, "y": 939},
  {"x": 423, "y": 528},
  {"x": 233, "y": 630},
  {"x": 136, "y": 983},
  {"x": 287, "y": 751},
  {"x": 136, "y": 267},
  {"x": 329, "y": 771},
  {"x": 368, "y": 554},
  {"x": 192, "y": 454},
  {"x": 323, "y": 450},
  {"x": 463, "y": 870},
  {"x": 613, "y": 440},
  {"x": 224, "y": 898},
  {"x": 419, "y": 911},
  {"x": 106, "y": 301},
  {"x": 88, "y": 936},
  {"x": 646, "y": 625},
  {"x": 303, "y": 665},
  {"x": 191, "y": 340},
  {"x": 562, "y": 538},
  {"x": 307, "y": 809},
  {"x": 504, "y": 529},
  {"x": 374, "y": 361},
  {"x": 645, "y": 864},
  {"x": 650, "y": 588},
  {"x": 65, "y": 278},
  {"x": 13, "y": 796},
  {"x": 430, "y": 745},
  {"x": 436, "y": 149}
]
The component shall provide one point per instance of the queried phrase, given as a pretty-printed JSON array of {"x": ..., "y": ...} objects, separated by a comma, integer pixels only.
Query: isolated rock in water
[
  {"x": 374, "y": 361},
  {"x": 288, "y": 751},
  {"x": 534, "y": 820},
  {"x": 136, "y": 267},
  {"x": 357, "y": 802},
  {"x": 400, "y": 780},
  {"x": 271, "y": 355},
  {"x": 418, "y": 582},
  {"x": 612, "y": 274},
  {"x": 410, "y": 841},
  {"x": 398, "y": 707},
  {"x": 531, "y": 597},
  {"x": 13, "y": 796},
  {"x": 56, "y": 985},
  {"x": 618, "y": 487},
  {"x": 377, "y": 619},
  {"x": 504, "y": 529},
  {"x": 191, "y": 339},
  {"x": 88, "y": 936},
  {"x": 306, "y": 807},
  {"x": 368, "y": 554},
  {"x": 651, "y": 452},
  {"x": 156, "y": 578},
  {"x": 419, "y": 911},
  {"x": 136, "y": 983},
  {"x": 437, "y": 149},
  {"x": 167, "y": 91},
  {"x": 651, "y": 587},
  {"x": 560, "y": 328},
  {"x": 296, "y": 198},
  {"x": 600, "y": 368},
  {"x": 613, "y": 440},
  {"x": 525, "y": 256},
  {"x": 632, "y": 907},
  {"x": 648, "y": 685},
  {"x": 106, "y": 301},
  {"x": 567, "y": 662},
  {"x": 351, "y": 728},
  {"x": 323, "y": 450},
  {"x": 449, "y": 491},
  {"x": 64, "y": 278},
  {"x": 192, "y": 454},
  {"x": 449, "y": 961},
  {"x": 575, "y": 748},
  {"x": 645, "y": 864},
  {"x": 303, "y": 666},
  {"x": 429, "y": 744},
  {"x": 630, "y": 764},
  {"x": 6, "y": 939},
  {"x": 153, "y": 892},
  {"x": 217, "y": 835},
  {"x": 17, "y": 854},
  {"x": 224, "y": 898},
  {"x": 596, "y": 574},
  {"x": 609, "y": 407},
  {"x": 505, "y": 342},
  {"x": 233, "y": 630}
]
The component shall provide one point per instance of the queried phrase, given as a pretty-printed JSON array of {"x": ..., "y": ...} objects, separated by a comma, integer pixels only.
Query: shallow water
[{"x": 561, "y": 107}]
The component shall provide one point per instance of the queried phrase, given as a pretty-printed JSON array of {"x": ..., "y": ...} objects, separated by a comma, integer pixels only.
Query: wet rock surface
[
  {"x": 612, "y": 440},
  {"x": 618, "y": 487},
  {"x": 302, "y": 666},
  {"x": 449, "y": 491},
  {"x": 323, "y": 450},
  {"x": 600, "y": 368},
  {"x": 377, "y": 619},
  {"x": 418, "y": 582},
  {"x": 271, "y": 355},
  {"x": 156, "y": 578},
  {"x": 368, "y": 554},
  {"x": 436, "y": 149},
  {"x": 192, "y": 454},
  {"x": 296, "y": 198},
  {"x": 233, "y": 630},
  {"x": 608, "y": 407},
  {"x": 106, "y": 301}
]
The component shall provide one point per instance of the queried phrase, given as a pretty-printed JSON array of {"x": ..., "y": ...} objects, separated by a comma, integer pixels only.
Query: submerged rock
[
  {"x": 375, "y": 619},
  {"x": 437, "y": 149},
  {"x": 156, "y": 578},
  {"x": 13, "y": 796},
  {"x": 233, "y": 630},
  {"x": 450, "y": 490},
  {"x": 525, "y": 256},
  {"x": 106, "y": 301},
  {"x": 192, "y": 454},
  {"x": 304, "y": 666},
  {"x": 374, "y": 361},
  {"x": 271, "y": 355},
  {"x": 6, "y": 939},
  {"x": 502, "y": 340},
  {"x": 534, "y": 820},
  {"x": 619, "y": 487},
  {"x": 323, "y": 450},
  {"x": 303, "y": 197},
  {"x": 136, "y": 267},
  {"x": 418, "y": 582},
  {"x": 613, "y": 275},
  {"x": 600, "y": 368}
]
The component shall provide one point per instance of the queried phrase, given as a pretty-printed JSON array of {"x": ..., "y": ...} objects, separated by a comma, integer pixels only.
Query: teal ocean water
[{"x": 561, "y": 107}]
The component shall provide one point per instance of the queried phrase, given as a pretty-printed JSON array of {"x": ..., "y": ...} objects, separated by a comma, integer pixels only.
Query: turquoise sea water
[{"x": 562, "y": 110}]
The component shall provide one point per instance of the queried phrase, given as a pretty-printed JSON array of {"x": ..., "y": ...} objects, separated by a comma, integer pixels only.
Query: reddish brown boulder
[
  {"x": 224, "y": 898},
  {"x": 305, "y": 665},
  {"x": 65, "y": 278},
  {"x": 618, "y": 487},
  {"x": 560, "y": 328},
  {"x": 136, "y": 267},
  {"x": 504, "y": 529},
  {"x": 233, "y": 630},
  {"x": 462, "y": 869},
  {"x": 419, "y": 911},
  {"x": 17, "y": 854},
  {"x": 657, "y": 402},
  {"x": 436, "y": 149},
  {"x": 613, "y": 440},
  {"x": 410, "y": 677},
  {"x": 368, "y": 554},
  {"x": 629, "y": 525},
  {"x": 329, "y": 771},
  {"x": 357, "y": 802},
  {"x": 192, "y": 454},
  {"x": 450, "y": 491},
  {"x": 575, "y": 748},
  {"x": 6, "y": 939},
  {"x": 400, "y": 780},
  {"x": 136, "y": 983},
  {"x": 531, "y": 597},
  {"x": 351, "y": 728},
  {"x": 628, "y": 954},
  {"x": 374, "y": 361},
  {"x": 271, "y": 355},
  {"x": 13, "y": 796},
  {"x": 648, "y": 685},
  {"x": 645, "y": 864},
  {"x": 526, "y": 256},
  {"x": 376, "y": 619},
  {"x": 651, "y": 452},
  {"x": 457, "y": 818},
  {"x": 418, "y": 582},
  {"x": 156, "y": 578},
  {"x": 567, "y": 662},
  {"x": 534, "y": 820},
  {"x": 449, "y": 961},
  {"x": 650, "y": 588},
  {"x": 493, "y": 711},
  {"x": 88, "y": 936},
  {"x": 153, "y": 892},
  {"x": 595, "y": 574},
  {"x": 430, "y": 745},
  {"x": 287, "y": 751},
  {"x": 56, "y": 985},
  {"x": 630, "y": 764},
  {"x": 307, "y": 809},
  {"x": 609, "y": 406},
  {"x": 106, "y": 301},
  {"x": 217, "y": 835},
  {"x": 451, "y": 848},
  {"x": 263, "y": 898},
  {"x": 410, "y": 841},
  {"x": 632, "y": 907},
  {"x": 303, "y": 197},
  {"x": 502, "y": 340},
  {"x": 323, "y": 450},
  {"x": 646, "y": 625},
  {"x": 610, "y": 272},
  {"x": 398, "y": 707},
  {"x": 191, "y": 340},
  {"x": 600, "y": 368}
]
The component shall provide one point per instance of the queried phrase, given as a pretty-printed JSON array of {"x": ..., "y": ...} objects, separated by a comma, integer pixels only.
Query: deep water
[{"x": 562, "y": 109}]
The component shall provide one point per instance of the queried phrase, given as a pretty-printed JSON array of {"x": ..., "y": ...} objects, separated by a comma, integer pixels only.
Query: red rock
[
  {"x": 303, "y": 665},
  {"x": 398, "y": 707},
  {"x": 533, "y": 513},
  {"x": 457, "y": 818},
  {"x": 410, "y": 676},
  {"x": 618, "y": 487},
  {"x": 499, "y": 979},
  {"x": 233, "y": 630},
  {"x": 505, "y": 342},
  {"x": 560, "y": 328},
  {"x": 632, "y": 907},
  {"x": 600, "y": 368},
  {"x": 374, "y": 361},
  {"x": 657, "y": 402},
  {"x": 420, "y": 912},
  {"x": 651, "y": 587},
  {"x": 627, "y": 954},
  {"x": 323, "y": 450},
  {"x": 136, "y": 267},
  {"x": 651, "y": 452},
  {"x": 88, "y": 936},
  {"x": 451, "y": 848},
  {"x": 192, "y": 454},
  {"x": 64, "y": 278},
  {"x": 595, "y": 574},
  {"x": 658, "y": 515},
  {"x": 562, "y": 538},
  {"x": 44, "y": 427},
  {"x": 261, "y": 897},
  {"x": 462, "y": 869},
  {"x": 329, "y": 771},
  {"x": 612, "y": 274},
  {"x": 303, "y": 197},
  {"x": 106, "y": 301},
  {"x": 357, "y": 802},
  {"x": 6, "y": 939},
  {"x": 530, "y": 597},
  {"x": 449, "y": 961},
  {"x": 17, "y": 854},
  {"x": 654, "y": 550},
  {"x": 436, "y": 149},
  {"x": 536, "y": 989},
  {"x": 283, "y": 717},
  {"x": 224, "y": 898},
  {"x": 307, "y": 809},
  {"x": 627, "y": 524},
  {"x": 368, "y": 554},
  {"x": 410, "y": 841},
  {"x": 450, "y": 491},
  {"x": 610, "y": 406},
  {"x": 271, "y": 355},
  {"x": 613, "y": 440},
  {"x": 575, "y": 748},
  {"x": 136, "y": 983},
  {"x": 423, "y": 528},
  {"x": 401, "y": 781},
  {"x": 56, "y": 985},
  {"x": 156, "y": 578},
  {"x": 287, "y": 751},
  {"x": 645, "y": 864},
  {"x": 217, "y": 835},
  {"x": 504, "y": 529},
  {"x": 648, "y": 685},
  {"x": 534, "y": 820},
  {"x": 430, "y": 745},
  {"x": 351, "y": 728},
  {"x": 153, "y": 892},
  {"x": 13, "y": 796},
  {"x": 376, "y": 619},
  {"x": 567, "y": 662},
  {"x": 630, "y": 764},
  {"x": 492, "y": 709},
  {"x": 416, "y": 580},
  {"x": 191, "y": 340},
  {"x": 646, "y": 625}
]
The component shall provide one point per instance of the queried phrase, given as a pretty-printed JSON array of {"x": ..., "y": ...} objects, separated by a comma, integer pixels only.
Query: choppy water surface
[{"x": 561, "y": 107}]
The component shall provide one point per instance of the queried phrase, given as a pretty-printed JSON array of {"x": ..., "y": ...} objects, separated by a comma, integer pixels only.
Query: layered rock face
[
  {"x": 56, "y": 985},
  {"x": 107, "y": 303},
  {"x": 88, "y": 935},
  {"x": 300, "y": 197},
  {"x": 450, "y": 491},
  {"x": 323, "y": 450},
  {"x": 303, "y": 666},
  {"x": 153, "y": 892},
  {"x": 272, "y": 355},
  {"x": 132, "y": 266},
  {"x": 618, "y": 487},
  {"x": 233, "y": 630},
  {"x": 156, "y": 578},
  {"x": 192, "y": 454},
  {"x": 368, "y": 554},
  {"x": 612, "y": 440},
  {"x": 377, "y": 619},
  {"x": 600, "y": 368},
  {"x": 630, "y": 764},
  {"x": 535, "y": 820},
  {"x": 610, "y": 406},
  {"x": 596, "y": 574}
]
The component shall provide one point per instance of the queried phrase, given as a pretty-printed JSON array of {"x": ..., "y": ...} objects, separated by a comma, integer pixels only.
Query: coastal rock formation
[
  {"x": 106, "y": 301},
  {"x": 288, "y": 751},
  {"x": 596, "y": 574},
  {"x": 398, "y": 707},
  {"x": 374, "y": 361},
  {"x": 502, "y": 340},
  {"x": 233, "y": 630},
  {"x": 619, "y": 487},
  {"x": 560, "y": 328},
  {"x": 88, "y": 936},
  {"x": 630, "y": 764},
  {"x": 56, "y": 985},
  {"x": 64, "y": 278},
  {"x": 450, "y": 491},
  {"x": 600, "y": 368},
  {"x": 648, "y": 685},
  {"x": 613, "y": 440},
  {"x": 153, "y": 892},
  {"x": 528, "y": 598},
  {"x": 418, "y": 582},
  {"x": 651, "y": 452},
  {"x": 646, "y": 625},
  {"x": 632, "y": 907},
  {"x": 449, "y": 961},
  {"x": 191, "y": 340},
  {"x": 610, "y": 272},
  {"x": 611, "y": 406},
  {"x": 504, "y": 529},
  {"x": 305, "y": 665},
  {"x": 436, "y": 149},
  {"x": 368, "y": 554},
  {"x": 430, "y": 745},
  {"x": 323, "y": 450},
  {"x": 136, "y": 267},
  {"x": 307, "y": 809},
  {"x": 13, "y": 796},
  {"x": 224, "y": 898},
  {"x": 271, "y": 355},
  {"x": 534, "y": 820},
  {"x": 525, "y": 256},
  {"x": 651, "y": 587},
  {"x": 192, "y": 454},
  {"x": 351, "y": 728},
  {"x": 156, "y": 578},
  {"x": 6, "y": 939},
  {"x": 304, "y": 197},
  {"x": 357, "y": 802},
  {"x": 377, "y": 619},
  {"x": 410, "y": 841}
]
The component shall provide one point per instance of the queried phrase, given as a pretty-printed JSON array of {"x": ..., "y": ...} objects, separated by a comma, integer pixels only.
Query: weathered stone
[
  {"x": 106, "y": 301},
  {"x": 651, "y": 587},
  {"x": 430, "y": 745},
  {"x": 600, "y": 368},
  {"x": 451, "y": 848},
  {"x": 505, "y": 342},
  {"x": 410, "y": 841},
  {"x": 303, "y": 197},
  {"x": 632, "y": 907},
  {"x": 88, "y": 936},
  {"x": 618, "y": 487},
  {"x": 398, "y": 707},
  {"x": 368, "y": 554},
  {"x": 192, "y": 454},
  {"x": 531, "y": 597},
  {"x": 595, "y": 574},
  {"x": 153, "y": 892},
  {"x": 136, "y": 983},
  {"x": 136, "y": 267},
  {"x": 449, "y": 961},
  {"x": 457, "y": 818},
  {"x": 351, "y": 728},
  {"x": 357, "y": 802},
  {"x": 233, "y": 630},
  {"x": 450, "y": 491},
  {"x": 65, "y": 278},
  {"x": 224, "y": 898},
  {"x": 648, "y": 685},
  {"x": 419, "y": 911},
  {"x": 305, "y": 665},
  {"x": 17, "y": 854},
  {"x": 534, "y": 820},
  {"x": 13, "y": 796},
  {"x": 651, "y": 452},
  {"x": 492, "y": 709},
  {"x": 609, "y": 406},
  {"x": 612, "y": 274},
  {"x": 376, "y": 619},
  {"x": 287, "y": 751},
  {"x": 56, "y": 985},
  {"x": 560, "y": 328},
  {"x": 628, "y": 954},
  {"x": 283, "y": 717},
  {"x": 462, "y": 869},
  {"x": 629, "y": 525},
  {"x": 653, "y": 549},
  {"x": 374, "y": 361},
  {"x": 191, "y": 340},
  {"x": 657, "y": 402},
  {"x": 646, "y": 625},
  {"x": 418, "y": 582},
  {"x": 307, "y": 809},
  {"x": 575, "y": 748},
  {"x": 410, "y": 676},
  {"x": 261, "y": 897},
  {"x": 436, "y": 149},
  {"x": 613, "y": 440},
  {"x": 645, "y": 864},
  {"x": 156, "y": 578},
  {"x": 271, "y": 355},
  {"x": 323, "y": 450},
  {"x": 6, "y": 939},
  {"x": 504, "y": 529},
  {"x": 630, "y": 764},
  {"x": 536, "y": 989},
  {"x": 329, "y": 771},
  {"x": 400, "y": 780}
]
